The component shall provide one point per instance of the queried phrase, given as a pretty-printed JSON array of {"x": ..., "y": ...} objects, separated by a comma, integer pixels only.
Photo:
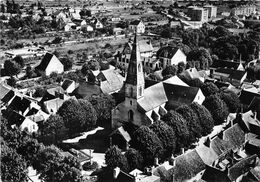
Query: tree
[
  {"x": 52, "y": 129},
  {"x": 19, "y": 60},
  {"x": 205, "y": 119},
  {"x": 147, "y": 142},
  {"x": 13, "y": 166},
  {"x": 192, "y": 121},
  {"x": 46, "y": 158},
  {"x": 180, "y": 127},
  {"x": 225, "y": 50},
  {"x": 67, "y": 62},
  {"x": 166, "y": 33},
  {"x": 220, "y": 31},
  {"x": 231, "y": 99},
  {"x": 169, "y": 71},
  {"x": 135, "y": 159},
  {"x": 209, "y": 88},
  {"x": 200, "y": 58},
  {"x": 114, "y": 158},
  {"x": 217, "y": 108},
  {"x": 11, "y": 81},
  {"x": 78, "y": 115},
  {"x": 11, "y": 67},
  {"x": 167, "y": 136},
  {"x": 196, "y": 82},
  {"x": 103, "y": 105},
  {"x": 93, "y": 65},
  {"x": 68, "y": 170}
]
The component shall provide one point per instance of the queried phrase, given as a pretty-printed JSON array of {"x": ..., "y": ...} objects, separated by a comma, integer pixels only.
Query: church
[{"x": 143, "y": 105}]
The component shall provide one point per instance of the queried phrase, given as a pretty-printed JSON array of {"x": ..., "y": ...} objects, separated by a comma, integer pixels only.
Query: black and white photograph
[{"x": 130, "y": 90}]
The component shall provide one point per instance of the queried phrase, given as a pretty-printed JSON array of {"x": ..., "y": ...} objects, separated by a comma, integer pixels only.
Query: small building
[
  {"x": 98, "y": 24},
  {"x": 212, "y": 11},
  {"x": 89, "y": 28},
  {"x": 170, "y": 56},
  {"x": 198, "y": 13},
  {"x": 49, "y": 64},
  {"x": 121, "y": 138},
  {"x": 235, "y": 77},
  {"x": 137, "y": 26},
  {"x": 52, "y": 106},
  {"x": 68, "y": 85}
]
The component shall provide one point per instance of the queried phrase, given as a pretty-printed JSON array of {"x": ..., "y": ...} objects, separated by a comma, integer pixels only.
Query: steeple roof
[{"x": 135, "y": 69}]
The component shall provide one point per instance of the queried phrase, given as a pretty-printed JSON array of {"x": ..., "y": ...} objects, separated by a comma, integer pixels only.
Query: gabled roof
[
  {"x": 175, "y": 80},
  {"x": 54, "y": 104},
  {"x": 219, "y": 146},
  {"x": 154, "y": 96},
  {"x": 15, "y": 118},
  {"x": 246, "y": 97},
  {"x": 178, "y": 95},
  {"x": 233, "y": 74},
  {"x": 8, "y": 96},
  {"x": 66, "y": 84},
  {"x": 225, "y": 64},
  {"x": 241, "y": 167},
  {"x": 213, "y": 174},
  {"x": 4, "y": 89},
  {"x": 19, "y": 104},
  {"x": 135, "y": 22},
  {"x": 207, "y": 155},
  {"x": 45, "y": 61},
  {"x": 187, "y": 166},
  {"x": 234, "y": 135},
  {"x": 167, "y": 52},
  {"x": 123, "y": 133},
  {"x": 86, "y": 89},
  {"x": 111, "y": 81},
  {"x": 56, "y": 90}
]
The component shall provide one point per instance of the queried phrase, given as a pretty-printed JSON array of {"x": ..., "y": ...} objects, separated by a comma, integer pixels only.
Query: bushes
[{"x": 88, "y": 167}]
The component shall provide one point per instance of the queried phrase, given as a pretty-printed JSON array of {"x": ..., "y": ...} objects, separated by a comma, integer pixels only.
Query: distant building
[
  {"x": 212, "y": 11},
  {"x": 49, "y": 64},
  {"x": 198, "y": 13},
  {"x": 137, "y": 26},
  {"x": 244, "y": 10},
  {"x": 169, "y": 55}
]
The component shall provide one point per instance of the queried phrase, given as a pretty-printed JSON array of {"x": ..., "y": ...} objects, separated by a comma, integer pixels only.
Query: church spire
[{"x": 135, "y": 76}]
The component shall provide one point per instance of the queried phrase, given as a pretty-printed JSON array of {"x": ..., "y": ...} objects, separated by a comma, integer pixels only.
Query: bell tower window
[
  {"x": 130, "y": 115},
  {"x": 139, "y": 67}
]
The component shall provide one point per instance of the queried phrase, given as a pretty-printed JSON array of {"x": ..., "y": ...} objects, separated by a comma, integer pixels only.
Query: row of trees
[
  {"x": 75, "y": 116},
  {"x": 19, "y": 150}
]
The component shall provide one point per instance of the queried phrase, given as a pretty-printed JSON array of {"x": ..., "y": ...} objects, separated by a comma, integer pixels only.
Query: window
[
  {"x": 140, "y": 91},
  {"x": 139, "y": 67},
  {"x": 131, "y": 92},
  {"x": 131, "y": 102},
  {"x": 130, "y": 115}
]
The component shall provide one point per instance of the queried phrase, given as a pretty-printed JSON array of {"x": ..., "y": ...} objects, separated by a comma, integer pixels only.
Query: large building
[
  {"x": 143, "y": 105},
  {"x": 198, "y": 13},
  {"x": 244, "y": 10}
]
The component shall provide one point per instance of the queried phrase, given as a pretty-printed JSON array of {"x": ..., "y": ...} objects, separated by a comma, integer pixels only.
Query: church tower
[{"x": 134, "y": 84}]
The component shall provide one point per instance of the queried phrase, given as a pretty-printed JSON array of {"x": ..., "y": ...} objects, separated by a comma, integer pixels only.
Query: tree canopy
[
  {"x": 205, "y": 119},
  {"x": 179, "y": 126},
  {"x": 200, "y": 58},
  {"x": 167, "y": 136},
  {"x": 11, "y": 67},
  {"x": 147, "y": 142},
  {"x": 169, "y": 71},
  {"x": 135, "y": 159},
  {"x": 192, "y": 121},
  {"x": 114, "y": 158},
  {"x": 217, "y": 108},
  {"x": 231, "y": 99},
  {"x": 209, "y": 88}
]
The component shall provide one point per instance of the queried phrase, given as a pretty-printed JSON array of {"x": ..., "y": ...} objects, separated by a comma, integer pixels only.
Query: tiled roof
[
  {"x": 8, "y": 96},
  {"x": 113, "y": 81},
  {"x": 178, "y": 95},
  {"x": 187, "y": 166},
  {"x": 66, "y": 84},
  {"x": 246, "y": 97},
  {"x": 19, "y": 104},
  {"x": 219, "y": 146},
  {"x": 225, "y": 64},
  {"x": 45, "y": 61},
  {"x": 3, "y": 90},
  {"x": 207, "y": 155},
  {"x": 135, "y": 22},
  {"x": 154, "y": 96},
  {"x": 212, "y": 174},
  {"x": 234, "y": 135},
  {"x": 175, "y": 80},
  {"x": 167, "y": 52},
  {"x": 53, "y": 105},
  {"x": 233, "y": 74}
]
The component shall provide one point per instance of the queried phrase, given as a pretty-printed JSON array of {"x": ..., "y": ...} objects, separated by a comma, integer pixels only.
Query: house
[
  {"x": 80, "y": 22},
  {"x": 52, "y": 106},
  {"x": 235, "y": 77},
  {"x": 143, "y": 106},
  {"x": 137, "y": 26},
  {"x": 68, "y": 85},
  {"x": 88, "y": 28},
  {"x": 70, "y": 26},
  {"x": 118, "y": 31},
  {"x": 22, "y": 122},
  {"x": 98, "y": 24},
  {"x": 49, "y": 64},
  {"x": 170, "y": 56},
  {"x": 37, "y": 115},
  {"x": 107, "y": 81},
  {"x": 193, "y": 73},
  {"x": 121, "y": 138}
]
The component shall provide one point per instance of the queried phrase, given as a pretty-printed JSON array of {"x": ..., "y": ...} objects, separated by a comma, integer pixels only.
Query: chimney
[
  {"x": 156, "y": 161},
  {"x": 172, "y": 161},
  {"x": 182, "y": 151},
  {"x": 255, "y": 115},
  {"x": 116, "y": 172}
]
